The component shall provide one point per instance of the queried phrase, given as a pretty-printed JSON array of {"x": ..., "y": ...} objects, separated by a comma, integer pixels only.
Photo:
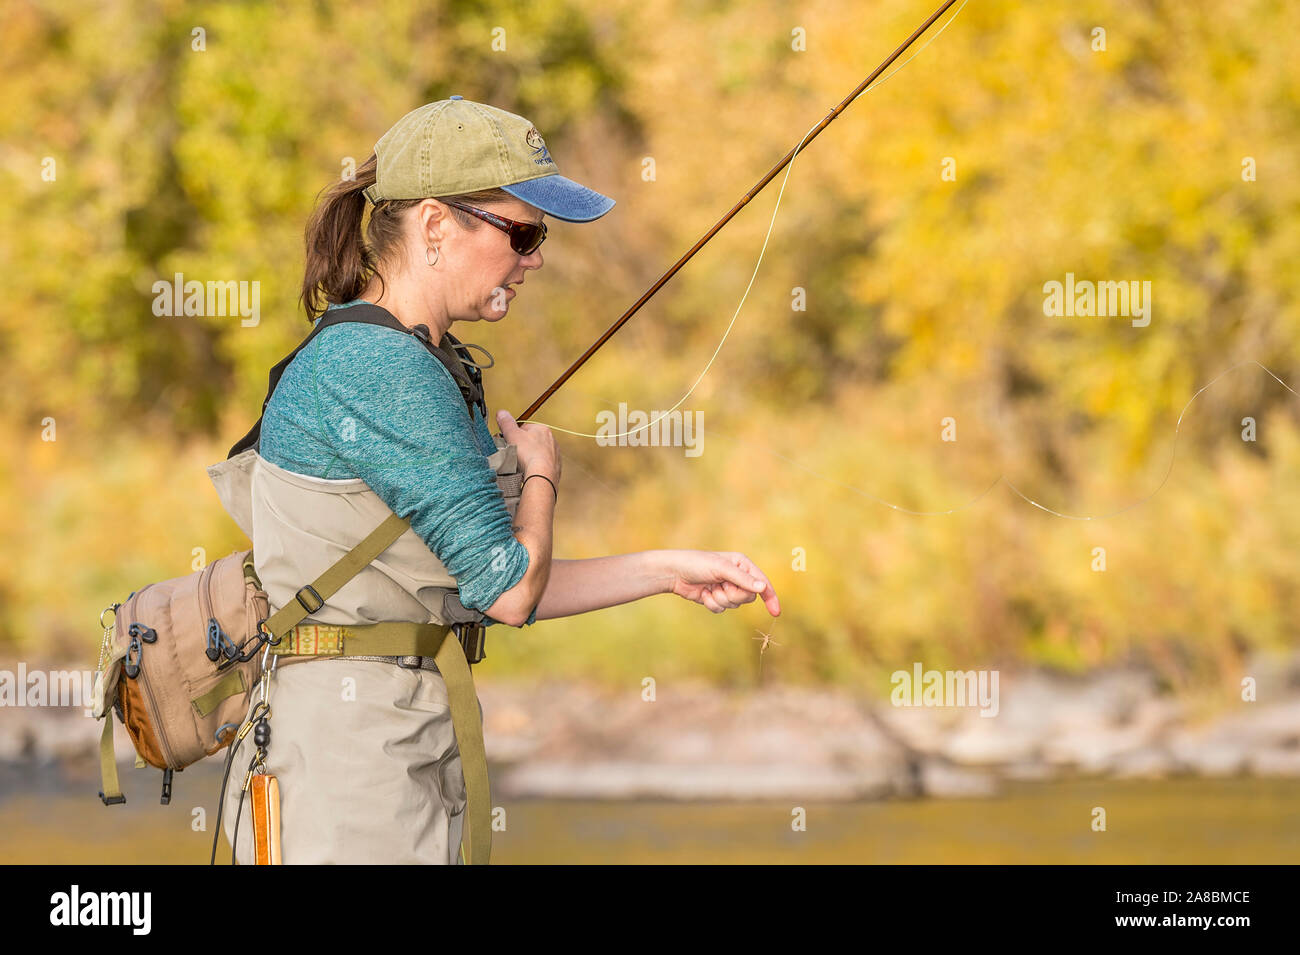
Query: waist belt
[
  {"x": 390, "y": 639},
  {"x": 406, "y": 663}
]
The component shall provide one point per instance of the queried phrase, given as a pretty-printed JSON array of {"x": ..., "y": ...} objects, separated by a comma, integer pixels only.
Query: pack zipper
[
  {"x": 152, "y": 704},
  {"x": 157, "y": 723},
  {"x": 218, "y": 641}
]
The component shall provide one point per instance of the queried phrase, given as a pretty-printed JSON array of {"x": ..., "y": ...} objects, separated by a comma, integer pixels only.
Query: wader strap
[
  {"x": 468, "y": 727},
  {"x": 311, "y": 598}
]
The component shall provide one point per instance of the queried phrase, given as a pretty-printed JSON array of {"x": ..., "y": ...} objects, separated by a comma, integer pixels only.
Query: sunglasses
[{"x": 525, "y": 237}]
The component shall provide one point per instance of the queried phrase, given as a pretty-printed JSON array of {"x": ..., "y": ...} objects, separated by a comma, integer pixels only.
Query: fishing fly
[{"x": 767, "y": 642}]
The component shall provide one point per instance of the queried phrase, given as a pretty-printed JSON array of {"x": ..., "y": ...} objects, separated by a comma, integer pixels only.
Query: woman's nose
[{"x": 533, "y": 260}]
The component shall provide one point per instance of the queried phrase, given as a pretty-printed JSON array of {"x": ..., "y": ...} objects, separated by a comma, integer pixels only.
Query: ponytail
[{"x": 340, "y": 263}]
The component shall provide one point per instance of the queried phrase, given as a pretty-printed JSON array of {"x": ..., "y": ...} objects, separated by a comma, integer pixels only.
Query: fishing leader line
[{"x": 1002, "y": 477}]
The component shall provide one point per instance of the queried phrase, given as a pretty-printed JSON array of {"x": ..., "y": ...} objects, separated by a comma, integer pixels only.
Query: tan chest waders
[{"x": 182, "y": 659}]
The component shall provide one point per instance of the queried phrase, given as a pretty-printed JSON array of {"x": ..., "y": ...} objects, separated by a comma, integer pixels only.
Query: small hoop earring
[{"x": 436, "y": 256}]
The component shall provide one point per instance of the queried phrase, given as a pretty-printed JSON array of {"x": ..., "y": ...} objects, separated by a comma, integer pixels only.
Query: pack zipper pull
[
  {"x": 219, "y": 642},
  {"x": 133, "y": 651},
  {"x": 147, "y": 634},
  {"x": 212, "y": 652}
]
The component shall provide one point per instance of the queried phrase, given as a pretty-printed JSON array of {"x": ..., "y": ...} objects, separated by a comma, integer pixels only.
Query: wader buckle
[{"x": 471, "y": 636}]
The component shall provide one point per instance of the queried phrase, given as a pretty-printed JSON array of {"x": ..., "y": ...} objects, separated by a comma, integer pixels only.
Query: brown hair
[{"x": 340, "y": 263}]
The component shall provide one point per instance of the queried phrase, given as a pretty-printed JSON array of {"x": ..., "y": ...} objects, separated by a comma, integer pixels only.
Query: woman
[{"x": 367, "y": 420}]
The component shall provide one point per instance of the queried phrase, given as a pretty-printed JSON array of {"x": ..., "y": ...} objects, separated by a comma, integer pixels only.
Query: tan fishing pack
[{"x": 176, "y": 666}]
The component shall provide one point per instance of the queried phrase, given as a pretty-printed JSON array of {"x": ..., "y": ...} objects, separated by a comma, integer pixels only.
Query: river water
[{"x": 50, "y": 816}]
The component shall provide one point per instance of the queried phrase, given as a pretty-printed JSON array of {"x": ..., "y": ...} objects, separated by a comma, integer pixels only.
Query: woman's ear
[{"x": 432, "y": 217}]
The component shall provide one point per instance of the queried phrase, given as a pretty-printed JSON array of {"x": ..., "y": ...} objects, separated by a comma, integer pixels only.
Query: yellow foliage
[{"x": 925, "y": 300}]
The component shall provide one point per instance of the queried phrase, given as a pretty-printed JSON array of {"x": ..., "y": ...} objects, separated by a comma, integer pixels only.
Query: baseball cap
[{"x": 456, "y": 145}]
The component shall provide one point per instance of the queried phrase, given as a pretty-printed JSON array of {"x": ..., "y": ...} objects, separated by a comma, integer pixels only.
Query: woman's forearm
[
  {"x": 533, "y": 527},
  {"x": 578, "y": 586}
]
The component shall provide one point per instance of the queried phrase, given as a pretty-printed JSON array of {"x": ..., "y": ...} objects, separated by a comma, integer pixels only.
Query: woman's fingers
[
  {"x": 717, "y": 600},
  {"x": 764, "y": 588},
  {"x": 728, "y": 596},
  {"x": 742, "y": 571}
]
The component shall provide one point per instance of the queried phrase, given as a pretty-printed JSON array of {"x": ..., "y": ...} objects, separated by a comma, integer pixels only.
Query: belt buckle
[
  {"x": 471, "y": 636},
  {"x": 410, "y": 663}
]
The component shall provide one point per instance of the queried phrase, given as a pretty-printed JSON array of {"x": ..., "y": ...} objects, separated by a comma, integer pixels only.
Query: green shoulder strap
[{"x": 312, "y": 597}]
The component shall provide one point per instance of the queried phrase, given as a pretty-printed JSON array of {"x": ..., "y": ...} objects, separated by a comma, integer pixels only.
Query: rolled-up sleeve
[{"x": 393, "y": 416}]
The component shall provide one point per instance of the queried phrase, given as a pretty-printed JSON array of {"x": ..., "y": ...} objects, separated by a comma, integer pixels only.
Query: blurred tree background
[{"x": 193, "y": 138}]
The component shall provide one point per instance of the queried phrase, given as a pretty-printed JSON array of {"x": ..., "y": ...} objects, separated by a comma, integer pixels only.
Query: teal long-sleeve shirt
[{"x": 364, "y": 401}]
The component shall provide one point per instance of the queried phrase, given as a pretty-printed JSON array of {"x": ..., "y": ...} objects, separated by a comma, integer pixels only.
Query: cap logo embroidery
[{"x": 541, "y": 155}]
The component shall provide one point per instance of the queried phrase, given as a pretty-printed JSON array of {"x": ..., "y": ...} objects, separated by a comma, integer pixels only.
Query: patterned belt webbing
[{"x": 313, "y": 639}]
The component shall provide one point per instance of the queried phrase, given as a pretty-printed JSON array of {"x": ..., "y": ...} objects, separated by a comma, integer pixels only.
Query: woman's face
[{"x": 478, "y": 267}]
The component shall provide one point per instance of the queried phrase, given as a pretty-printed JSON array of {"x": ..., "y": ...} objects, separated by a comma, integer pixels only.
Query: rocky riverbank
[{"x": 553, "y": 740}]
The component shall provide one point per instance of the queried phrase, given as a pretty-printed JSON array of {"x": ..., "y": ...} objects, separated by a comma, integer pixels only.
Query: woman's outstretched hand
[{"x": 720, "y": 580}]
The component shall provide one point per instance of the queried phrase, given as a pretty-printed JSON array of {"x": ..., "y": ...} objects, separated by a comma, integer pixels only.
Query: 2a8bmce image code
[{"x": 1196, "y": 896}]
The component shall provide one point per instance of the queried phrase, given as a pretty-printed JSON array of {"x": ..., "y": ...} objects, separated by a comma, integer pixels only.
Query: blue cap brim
[{"x": 562, "y": 198}]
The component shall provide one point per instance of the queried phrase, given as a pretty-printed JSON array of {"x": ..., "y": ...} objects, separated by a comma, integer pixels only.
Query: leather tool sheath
[{"x": 266, "y": 819}]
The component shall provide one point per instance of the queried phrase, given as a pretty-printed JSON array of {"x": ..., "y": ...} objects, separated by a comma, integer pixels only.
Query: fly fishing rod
[{"x": 772, "y": 173}]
